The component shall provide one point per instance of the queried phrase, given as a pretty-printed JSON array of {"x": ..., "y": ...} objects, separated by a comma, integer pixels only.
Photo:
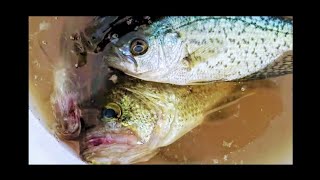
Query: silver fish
[{"x": 194, "y": 50}]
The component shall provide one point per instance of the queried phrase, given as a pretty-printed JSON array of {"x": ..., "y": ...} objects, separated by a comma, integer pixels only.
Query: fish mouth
[
  {"x": 121, "y": 60},
  {"x": 110, "y": 138},
  {"x": 121, "y": 147}
]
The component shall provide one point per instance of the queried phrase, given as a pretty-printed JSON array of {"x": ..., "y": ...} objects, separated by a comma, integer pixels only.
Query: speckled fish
[
  {"x": 193, "y": 50},
  {"x": 139, "y": 117}
]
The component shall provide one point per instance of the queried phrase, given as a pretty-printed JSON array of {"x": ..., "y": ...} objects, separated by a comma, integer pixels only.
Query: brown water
[{"x": 257, "y": 129}]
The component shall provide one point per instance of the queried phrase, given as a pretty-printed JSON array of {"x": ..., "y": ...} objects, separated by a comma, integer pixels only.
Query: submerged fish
[
  {"x": 139, "y": 117},
  {"x": 73, "y": 89},
  {"x": 194, "y": 50}
]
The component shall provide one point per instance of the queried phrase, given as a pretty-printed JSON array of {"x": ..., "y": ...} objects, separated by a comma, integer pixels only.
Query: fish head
[
  {"x": 128, "y": 129},
  {"x": 143, "y": 53}
]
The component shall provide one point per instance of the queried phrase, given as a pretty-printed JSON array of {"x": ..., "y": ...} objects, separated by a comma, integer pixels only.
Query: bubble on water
[
  {"x": 36, "y": 62},
  {"x": 185, "y": 159},
  {"x": 56, "y": 18},
  {"x": 243, "y": 88},
  {"x": 35, "y": 77},
  {"x": 44, "y": 26},
  {"x": 225, "y": 157},
  {"x": 227, "y": 144},
  {"x": 44, "y": 42},
  {"x": 215, "y": 161}
]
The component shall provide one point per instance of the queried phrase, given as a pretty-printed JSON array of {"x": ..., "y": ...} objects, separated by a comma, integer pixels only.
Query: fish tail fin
[{"x": 282, "y": 66}]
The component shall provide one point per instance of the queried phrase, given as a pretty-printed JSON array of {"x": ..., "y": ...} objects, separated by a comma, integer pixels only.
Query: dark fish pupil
[
  {"x": 109, "y": 113},
  {"x": 138, "y": 48}
]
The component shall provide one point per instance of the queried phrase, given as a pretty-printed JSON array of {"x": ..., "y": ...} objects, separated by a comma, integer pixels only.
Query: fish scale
[
  {"x": 158, "y": 114},
  {"x": 203, "y": 49}
]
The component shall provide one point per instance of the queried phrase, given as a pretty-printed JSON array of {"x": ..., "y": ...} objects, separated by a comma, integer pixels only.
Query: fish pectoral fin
[
  {"x": 281, "y": 66},
  {"x": 202, "y": 54},
  {"x": 224, "y": 110}
]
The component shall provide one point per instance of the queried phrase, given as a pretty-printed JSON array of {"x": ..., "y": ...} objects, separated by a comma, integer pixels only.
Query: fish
[
  {"x": 196, "y": 50},
  {"x": 139, "y": 117},
  {"x": 76, "y": 92}
]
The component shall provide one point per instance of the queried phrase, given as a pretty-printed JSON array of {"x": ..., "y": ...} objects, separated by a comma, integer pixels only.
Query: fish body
[
  {"x": 139, "y": 117},
  {"x": 200, "y": 49}
]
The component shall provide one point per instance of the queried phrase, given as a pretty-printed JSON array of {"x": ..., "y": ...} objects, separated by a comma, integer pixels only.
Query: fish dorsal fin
[{"x": 281, "y": 66}]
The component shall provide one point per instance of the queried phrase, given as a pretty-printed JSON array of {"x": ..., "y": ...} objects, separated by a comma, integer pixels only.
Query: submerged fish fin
[
  {"x": 282, "y": 66},
  {"x": 221, "y": 111},
  {"x": 243, "y": 90}
]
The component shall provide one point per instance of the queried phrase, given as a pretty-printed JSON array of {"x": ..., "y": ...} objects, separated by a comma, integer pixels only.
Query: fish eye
[
  {"x": 111, "y": 111},
  {"x": 138, "y": 47}
]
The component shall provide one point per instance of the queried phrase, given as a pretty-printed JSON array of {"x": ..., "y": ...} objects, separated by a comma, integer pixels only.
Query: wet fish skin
[
  {"x": 152, "y": 115},
  {"x": 194, "y": 50}
]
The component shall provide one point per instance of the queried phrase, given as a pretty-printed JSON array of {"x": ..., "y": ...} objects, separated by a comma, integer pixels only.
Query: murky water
[{"x": 257, "y": 129}]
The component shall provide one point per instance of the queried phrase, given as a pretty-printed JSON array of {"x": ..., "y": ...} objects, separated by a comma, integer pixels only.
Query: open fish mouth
[
  {"x": 120, "y": 147},
  {"x": 107, "y": 147},
  {"x": 111, "y": 138}
]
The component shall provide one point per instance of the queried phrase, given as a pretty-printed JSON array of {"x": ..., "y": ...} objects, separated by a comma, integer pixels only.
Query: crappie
[
  {"x": 139, "y": 117},
  {"x": 193, "y": 50}
]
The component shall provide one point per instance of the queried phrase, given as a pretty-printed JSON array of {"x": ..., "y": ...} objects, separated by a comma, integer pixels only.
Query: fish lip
[
  {"x": 127, "y": 58},
  {"x": 109, "y": 138},
  {"x": 116, "y": 152}
]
